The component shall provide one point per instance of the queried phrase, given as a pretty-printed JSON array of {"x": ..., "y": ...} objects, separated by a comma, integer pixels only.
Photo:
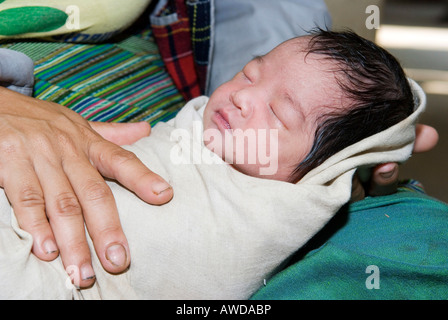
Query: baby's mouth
[{"x": 222, "y": 121}]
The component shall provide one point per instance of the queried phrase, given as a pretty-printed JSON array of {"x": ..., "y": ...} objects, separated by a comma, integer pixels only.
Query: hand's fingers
[
  {"x": 426, "y": 138},
  {"x": 123, "y": 166},
  {"x": 384, "y": 179},
  {"x": 100, "y": 214},
  {"x": 122, "y": 133},
  {"x": 31, "y": 128},
  {"x": 66, "y": 220},
  {"x": 358, "y": 192},
  {"x": 25, "y": 194}
]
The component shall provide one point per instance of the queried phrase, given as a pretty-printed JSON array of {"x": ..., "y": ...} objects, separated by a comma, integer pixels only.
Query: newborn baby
[{"x": 260, "y": 167}]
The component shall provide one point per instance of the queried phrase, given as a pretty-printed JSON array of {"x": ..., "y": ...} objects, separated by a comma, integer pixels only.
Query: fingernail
[
  {"x": 159, "y": 187},
  {"x": 116, "y": 254},
  {"x": 387, "y": 174},
  {"x": 87, "y": 272},
  {"x": 50, "y": 246}
]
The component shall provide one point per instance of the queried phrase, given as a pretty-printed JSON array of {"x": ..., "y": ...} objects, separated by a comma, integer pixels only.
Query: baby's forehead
[
  {"x": 301, "y": 43},
  {"x": 300, "y": 50},
  {"x": 323, "y": 71}
]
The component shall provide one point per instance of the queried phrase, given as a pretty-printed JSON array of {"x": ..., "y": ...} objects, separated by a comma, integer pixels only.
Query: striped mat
[{"x": 124, "y": 81}]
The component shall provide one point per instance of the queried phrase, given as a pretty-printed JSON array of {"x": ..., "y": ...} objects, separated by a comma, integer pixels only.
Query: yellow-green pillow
[{"x": 68, "y": 20}]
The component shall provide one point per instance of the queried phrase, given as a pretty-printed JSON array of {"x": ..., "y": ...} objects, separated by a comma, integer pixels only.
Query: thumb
[
  {"x": 122, "y": 133},
  {"x": 426, "y": 138}
]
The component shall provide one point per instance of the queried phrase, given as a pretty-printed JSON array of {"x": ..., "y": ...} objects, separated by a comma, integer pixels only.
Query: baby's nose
[{"x": 243, "y": 100}]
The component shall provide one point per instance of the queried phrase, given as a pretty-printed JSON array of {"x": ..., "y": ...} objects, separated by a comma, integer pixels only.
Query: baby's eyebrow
[{"x": 258, "y": 58}]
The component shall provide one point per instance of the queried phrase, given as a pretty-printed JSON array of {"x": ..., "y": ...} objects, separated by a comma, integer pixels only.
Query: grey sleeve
[
  {"x": 16, "y": 71},
  {"x": 245, "y": 28}
]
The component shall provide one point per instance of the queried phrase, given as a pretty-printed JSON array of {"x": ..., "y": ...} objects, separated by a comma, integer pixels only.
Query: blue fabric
[{"x": 391, "y": 247}]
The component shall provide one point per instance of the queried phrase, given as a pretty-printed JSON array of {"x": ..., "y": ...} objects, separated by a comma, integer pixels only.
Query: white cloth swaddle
[{"x": 222, "y": 234}]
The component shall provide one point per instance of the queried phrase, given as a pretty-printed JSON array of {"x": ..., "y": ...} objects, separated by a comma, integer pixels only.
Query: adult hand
[
  {"x": 122, "y": 133},
  {"x": 384, "y": 178},
  {"x": 51, "y": 167}
]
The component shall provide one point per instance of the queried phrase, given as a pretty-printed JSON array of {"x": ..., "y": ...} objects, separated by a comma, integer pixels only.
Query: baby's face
[{"x": 267, "y": 113}]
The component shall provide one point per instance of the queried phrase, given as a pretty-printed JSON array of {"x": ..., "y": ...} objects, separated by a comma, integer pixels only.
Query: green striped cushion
[{"x": 115, "y": 82}]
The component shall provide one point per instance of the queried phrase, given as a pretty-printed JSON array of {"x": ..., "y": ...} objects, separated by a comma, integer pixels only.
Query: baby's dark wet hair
[{"x": 375, "y": 84}]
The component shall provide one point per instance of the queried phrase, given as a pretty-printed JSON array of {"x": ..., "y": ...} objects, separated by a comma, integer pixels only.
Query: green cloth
[
  {"x": 121, "y": 80},
  {"x": 403, "y": 236}
]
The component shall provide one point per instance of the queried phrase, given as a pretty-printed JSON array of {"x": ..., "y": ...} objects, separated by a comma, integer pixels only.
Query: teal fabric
[{"x": 403, "y": 236}]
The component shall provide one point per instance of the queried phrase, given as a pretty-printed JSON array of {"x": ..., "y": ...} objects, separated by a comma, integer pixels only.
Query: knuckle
[
  {"x": 18, "y": 145},
  {"x": 96, "y": 191},
  {"x": 41, "y": 140},
  {"x": 87, "y": 131},
  {"x": 34, "y": 225},
  {"x": 10, "y": 145},
  {"x": 29, "y": 210},
  {"x": 65, "y": 140},
  {"x": 121, "y": 156},
  {"x": 30, "y": 197},
  {"x": 67, "y": 204}
]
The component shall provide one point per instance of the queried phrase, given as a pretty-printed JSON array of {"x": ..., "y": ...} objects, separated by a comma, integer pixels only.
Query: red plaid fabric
[
  {"x": 174, "y": 42},
  {"x": 199, "y": 13}
]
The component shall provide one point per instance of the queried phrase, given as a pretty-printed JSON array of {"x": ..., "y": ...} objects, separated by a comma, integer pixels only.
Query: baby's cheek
[{"x": 212, "y": 140}]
